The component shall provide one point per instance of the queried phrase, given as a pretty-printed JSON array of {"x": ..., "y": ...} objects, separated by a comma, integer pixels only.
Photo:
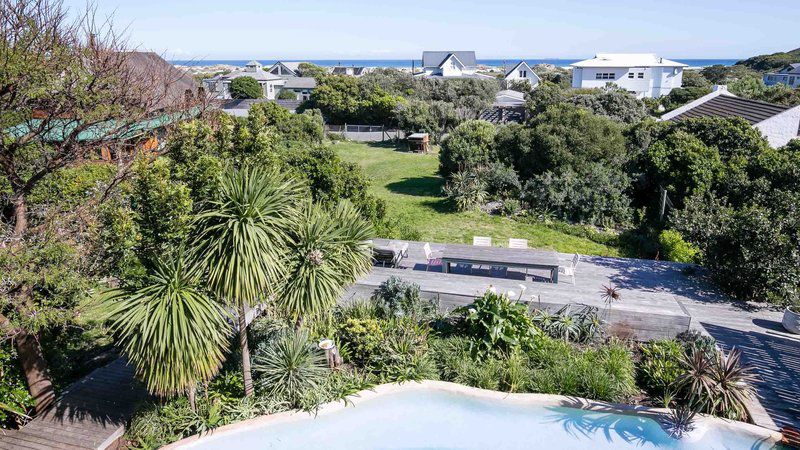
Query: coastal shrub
[
  {"x": 245, "y": 88},
  {"x": 660, "y": 366},
  {"x": 501, "y": 181},
  {"x": 13, "y": 389},
  {"x": 361, "y": 340},
  {"x": 676, "y": 249},
  {"x": 286, "y": 94},
  {"x": 511, "y": 207},
  {"x": 496, "y": 324},
  {"x": 289, "y": 365},
  {"x": 401, "y": 298},
  {"x": 469, "y": 147},
  {"x": 404, "y": 355},
  {"x": 594, "y": 196},
  {"x": 465, "y": 190}
]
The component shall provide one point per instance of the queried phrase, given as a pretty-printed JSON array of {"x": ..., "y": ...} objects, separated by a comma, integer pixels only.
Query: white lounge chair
[
  {"x": 570, "y": 269},
  {"x": 517, "y": 243},
  {"x": 434, "y": 258},
  {"x": 482, "y": 241}
]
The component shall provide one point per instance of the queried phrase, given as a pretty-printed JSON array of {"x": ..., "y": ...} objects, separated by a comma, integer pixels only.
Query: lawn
[{"x": 409, "y": 184}]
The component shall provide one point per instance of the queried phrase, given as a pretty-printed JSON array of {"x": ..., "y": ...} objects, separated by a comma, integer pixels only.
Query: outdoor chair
[
  {"x": 517, "y": 243},
  {"x": 434, "y": 259},
  {"x": 390, "y": 254},
  {"x": 570, "y": 269}
]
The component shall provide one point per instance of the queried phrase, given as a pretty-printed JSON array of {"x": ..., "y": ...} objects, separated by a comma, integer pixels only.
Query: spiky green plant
[
  {"x": 169, "y": 329},
  {"x": 290, "y": 366},
  {"x": 243, "y": 238},
  {"x": 326, "y": 254}
]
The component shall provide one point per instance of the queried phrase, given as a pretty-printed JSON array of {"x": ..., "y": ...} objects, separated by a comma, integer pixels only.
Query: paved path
[
  {"x": 755, "y": 329},
  {"x": 90, "y": 414}
]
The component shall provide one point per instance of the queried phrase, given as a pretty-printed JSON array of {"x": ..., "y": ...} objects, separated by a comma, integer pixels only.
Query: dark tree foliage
[
  {"x": 681, "y": 96},
  {"x": 774, "y": 61},
  {"x": 245, "y": 87},
  {"x": 468, "y": 148}
]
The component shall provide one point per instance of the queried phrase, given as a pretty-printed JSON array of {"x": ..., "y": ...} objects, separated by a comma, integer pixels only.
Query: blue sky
[{"x": 351, "y": 29}]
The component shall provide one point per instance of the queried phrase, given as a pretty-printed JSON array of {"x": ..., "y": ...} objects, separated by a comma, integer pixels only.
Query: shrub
[
  {"x": 290, "y": 365},
  {"x": 245, "y": 87},
  {"x": 674, "y": 248},
  {"x": 717, "y": 384},
  {"x": 660, "y": 366},
  {"x": 401, "y": 298},
  {"x": 361, "y": 340},
  {"x": 465, "y": 190},
  {"x": 693, "y": 340},
  {"x": 583, "y": 325},
  {"x": 404, "y": 357},
  {"x": 501, "y": 181},
  {"x": 497, "y": 324},
  {"x": 469, "y": 147},
  {"x": 511, "y": 207},
  {"x": 286, "y": 94},
  {"x": 13, "y": 389}
]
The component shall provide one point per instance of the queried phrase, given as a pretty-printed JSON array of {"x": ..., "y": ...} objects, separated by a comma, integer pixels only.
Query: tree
[
  {"x": 242, "y": 239},
  {"x": 544, "y": 96},
  {"x": 307, "y": 69},
  {"x": 245, "y": 87},
  {"x": 286, "y": 94},
  {"x": 468, "y": 147},
  {"x": 327, "y": 253},
  {"x": 338, "y": 97},
  {"x": 614, "y": 103},
  {"x": 695, "y": 79},
  {"x": 169, "y": 329},
  {"x": 681, "y": 96},
  {"x": 55, "y": 110},
  {"x": 716, "y": 74}
]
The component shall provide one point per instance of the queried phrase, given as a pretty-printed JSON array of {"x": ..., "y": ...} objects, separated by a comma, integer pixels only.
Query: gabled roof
[
  {"x": 509, "y": 98},
  {"x": 522, "y": 64},
  {"x": 724, "y": 104},
  {"x": 292, "y": 66},
  {"x": 259, "y": 74},
  {"x": 627, "y": 60},
  {"x": 437, "y": 58},
  {"x": 791, "y": 69}
]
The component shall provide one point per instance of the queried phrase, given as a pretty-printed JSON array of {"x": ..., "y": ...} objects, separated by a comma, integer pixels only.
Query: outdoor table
[{"x": 498, "y": 256}]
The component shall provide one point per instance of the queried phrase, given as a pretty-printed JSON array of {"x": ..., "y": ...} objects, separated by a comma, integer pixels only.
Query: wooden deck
[
  {"x": 90, "y": 414},
  {"x": 653, "y": 288}
]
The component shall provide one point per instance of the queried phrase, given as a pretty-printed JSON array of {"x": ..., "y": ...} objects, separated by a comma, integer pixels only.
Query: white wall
[
  {"x": 781, "y": 128},
  {"x": 531, "y": 76},
  {"x": 655, "y": 81}
]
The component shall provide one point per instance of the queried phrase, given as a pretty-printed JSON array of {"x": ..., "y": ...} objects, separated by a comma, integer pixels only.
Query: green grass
[{"x": 409, "y": 184}]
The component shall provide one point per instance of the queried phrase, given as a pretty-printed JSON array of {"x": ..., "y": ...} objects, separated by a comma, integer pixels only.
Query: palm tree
[
  {"x": 172, "y": 332},
  {"x": 243, "y": 236},
  {"x": 327, "y": 253}
]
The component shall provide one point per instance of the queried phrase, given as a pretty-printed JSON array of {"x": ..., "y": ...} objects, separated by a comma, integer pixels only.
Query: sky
[{"x": 356, "y": 29}]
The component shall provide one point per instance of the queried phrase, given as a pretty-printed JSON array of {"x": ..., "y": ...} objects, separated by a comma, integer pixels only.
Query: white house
[
  {"x": 643, "y": 74},
  {"x": 219, "y": 86},
  {"x": 522, "y": 72},
  {"x": 450, "y": 64},
  {"x": 350, "y": 71},
  {"x": 778, "y": 123},
  {"x": 789, "y": 75}
]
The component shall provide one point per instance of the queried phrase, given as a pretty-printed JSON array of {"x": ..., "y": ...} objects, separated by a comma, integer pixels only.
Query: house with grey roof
[
  {"x": 219, "y": 86},
  {"x": 294, "y": 81},
  {"x": 789, "y": 75},
  {"x": 285, "y": 69},
  {"x": 778, "y": 123},
  {"x": 519, "y": 74},
  {"x": 450, "y": 64}
]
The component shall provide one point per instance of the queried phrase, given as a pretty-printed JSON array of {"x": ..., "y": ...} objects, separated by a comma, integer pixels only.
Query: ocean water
[
  {"x": 406, "y": 63},
  {"x": 433, "y": 420}
]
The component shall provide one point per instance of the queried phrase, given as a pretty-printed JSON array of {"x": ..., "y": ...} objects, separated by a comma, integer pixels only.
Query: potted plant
[{"x": 791, "y": 319}]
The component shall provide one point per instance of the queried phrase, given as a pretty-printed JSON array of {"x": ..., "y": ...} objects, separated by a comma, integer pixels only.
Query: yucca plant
[
  {"x": 172, "y": 332},
  {"x": 291, "y": 366},
  {"x": 327, "y": 252},
  {"x": 243, "y": 238}
]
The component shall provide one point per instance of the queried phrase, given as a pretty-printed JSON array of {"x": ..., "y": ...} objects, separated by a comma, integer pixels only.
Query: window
[
  {"x": 640, "y": 75},
  {"x": 523, "y": 74},
  {"x": 630, "y": 74},
  {"x": 604, "y": 76}
]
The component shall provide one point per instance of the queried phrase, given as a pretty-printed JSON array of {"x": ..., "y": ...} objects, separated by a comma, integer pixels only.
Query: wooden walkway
[
  {"x": 90, "y": 414},
  {"x": 657, "y": 288}
]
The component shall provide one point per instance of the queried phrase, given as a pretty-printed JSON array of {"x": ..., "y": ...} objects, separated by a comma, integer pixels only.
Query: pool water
[{"x": 432, "y": 419}]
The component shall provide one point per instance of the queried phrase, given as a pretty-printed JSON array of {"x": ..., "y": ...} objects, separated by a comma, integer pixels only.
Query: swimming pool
[{"x": 437, "y": 415}]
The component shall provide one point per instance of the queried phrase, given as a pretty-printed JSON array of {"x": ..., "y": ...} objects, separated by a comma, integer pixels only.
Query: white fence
[{"x": 365, "y": 133}]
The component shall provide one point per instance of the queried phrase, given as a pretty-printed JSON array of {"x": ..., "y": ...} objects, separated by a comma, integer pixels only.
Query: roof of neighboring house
[
  {"x": 465, "y": 75},
  {"x": 300, "y": 83},
  {"x": 437, "y": 58},
  {"x": 509, "y": 98},
  {"x": 342, "y": 70},
  {"x": 627, "y": 60},
  {"x": 728, "y": 105},
  {"x": 176, "y": 81},
  {"x": 515, "y": 68},
  {"x": 259, "y": 74},
  {"x": 792, "y": 69},
  {"x": 240, "y": 108},
  {"x": 498, "y": 115},
  {"x": 294, "y": 66}
]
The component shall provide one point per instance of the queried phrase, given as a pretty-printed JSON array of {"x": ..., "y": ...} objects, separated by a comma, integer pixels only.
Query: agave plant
[
  {"x": 290, "y": 366},
  {"x": 169, "y": 329},
  {"x": 243, "y": 238},
  {"x": 566, "y": 326},
  {"x": 327, "y": 253}
]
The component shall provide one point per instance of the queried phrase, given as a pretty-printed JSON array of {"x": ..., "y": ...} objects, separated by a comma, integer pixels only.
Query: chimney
[{"x": 719, "y": 87}]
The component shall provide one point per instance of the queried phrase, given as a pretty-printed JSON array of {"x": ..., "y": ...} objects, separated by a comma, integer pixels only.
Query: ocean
[{"x": 406, "y": 63}]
